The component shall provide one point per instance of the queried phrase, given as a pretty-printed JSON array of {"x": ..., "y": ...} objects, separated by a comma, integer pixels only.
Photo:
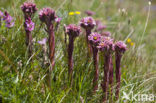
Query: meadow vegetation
[{"x": 23, "y": 80}]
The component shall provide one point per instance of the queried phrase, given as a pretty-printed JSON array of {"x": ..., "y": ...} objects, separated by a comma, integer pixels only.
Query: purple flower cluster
[
  {"x": 100, "y": 26},
  {"x": 73, "y": 30},
  {"x": 28, "y": 9},
  {"x": 47, "y": 15},
  {"x": 29, "y": 25},
  {"x": 105, "y": 44},
  {"x": 1, "y": 14},
  {"x": 87, "y": 23},
  {"x": 8, "y": 20},
  {"x": 43, "y": 41},
  {"x": 57, "y": 20},
  {"x": 120, "y": 47},
  {"x": 94, "y": 38}
]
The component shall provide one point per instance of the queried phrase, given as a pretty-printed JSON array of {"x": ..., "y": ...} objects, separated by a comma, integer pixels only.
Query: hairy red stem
[
  {"x": 106, "y": 77},
  {"x": 96, "y": 70},
  {"x": 118, "y": 74},
  {"x": 111, "y": 71},
  {"x": 70, "y": 56},
  {"x": 51, "y": 46},
  {"x": 29, "y": 42},
  {"x": 51, "y": 51},
  {"x": 88, "y": 32}
]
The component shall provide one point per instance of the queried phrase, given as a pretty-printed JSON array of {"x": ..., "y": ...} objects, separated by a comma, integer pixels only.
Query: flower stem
[
  {"x": 106, "y": 76},
  {"x": 51, "y": 52},
  {"x": 111, "y": 70},
  {"x": 118, "y": 74},
  {"x": 70, "y": 57},
  {"x": 96, "y": 72},
  {"x": 29, "y": 42},
  {"x": 88, "y": 32}
]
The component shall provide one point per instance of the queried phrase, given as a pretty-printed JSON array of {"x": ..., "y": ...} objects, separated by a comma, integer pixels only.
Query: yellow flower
[
  {"x": 131, "y": 43},
  {"x": 71, "y": 13},
  {"x": 129, "y": 40},
  {"x": 77, "y": 12}
]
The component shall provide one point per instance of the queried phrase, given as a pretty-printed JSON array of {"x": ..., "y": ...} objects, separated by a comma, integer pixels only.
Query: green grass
[{"x": 28, "y": 85}]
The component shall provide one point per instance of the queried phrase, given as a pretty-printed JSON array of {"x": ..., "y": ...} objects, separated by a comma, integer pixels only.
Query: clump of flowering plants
[
  {"x": 120, "y": 48},
  {"x": 29, "y": 10},
  {"x": 88, "y": 23},
  {"x": 73, "y": 31},
  {"x": 106, "y": 46},
  {"x": 94, "y": 39}
]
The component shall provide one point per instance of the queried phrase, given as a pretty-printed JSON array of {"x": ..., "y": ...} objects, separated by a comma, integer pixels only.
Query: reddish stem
[
  {"x": 70, "y": 56},
  {"x": 51, "y": 51},
  {"x": 51, "y": 46},
  {"x": 118, "y": 74},
  {"x": 29, "y": 42},
  {"x": 88, "y": 32},
  {"x": 111, "y": 70},
  {"x": 96, "y": 73},
  {"x": 106, "y": 77}
]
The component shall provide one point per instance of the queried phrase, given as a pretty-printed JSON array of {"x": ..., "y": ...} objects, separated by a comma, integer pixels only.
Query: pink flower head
[
  {"x": 94, "y": 38},
  {"x": 8, "y": 20},
  {"x": 29, "y": 25},
  {"x": 98, "y": 22},
  {"x": 57, "y": 20},
  {"x": 87, "y": 23},
  {"x": 106, "y": 33},
  {"x": 47, "y": 15},
  {"x": 120, "y": 47},
  {"x": 1, "y": 14},
  {"x": 7, "y": 17},
  {"x": 73, "y": 30},
  {"x": 89, "y": 13},
  {"x": 106, "y": 44},
  {"x": 43, "y": 41},
  {"x": 9, "y": 24},
  {"x": 28, "y": 9},
  {"x": 100, "y": 27}
]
